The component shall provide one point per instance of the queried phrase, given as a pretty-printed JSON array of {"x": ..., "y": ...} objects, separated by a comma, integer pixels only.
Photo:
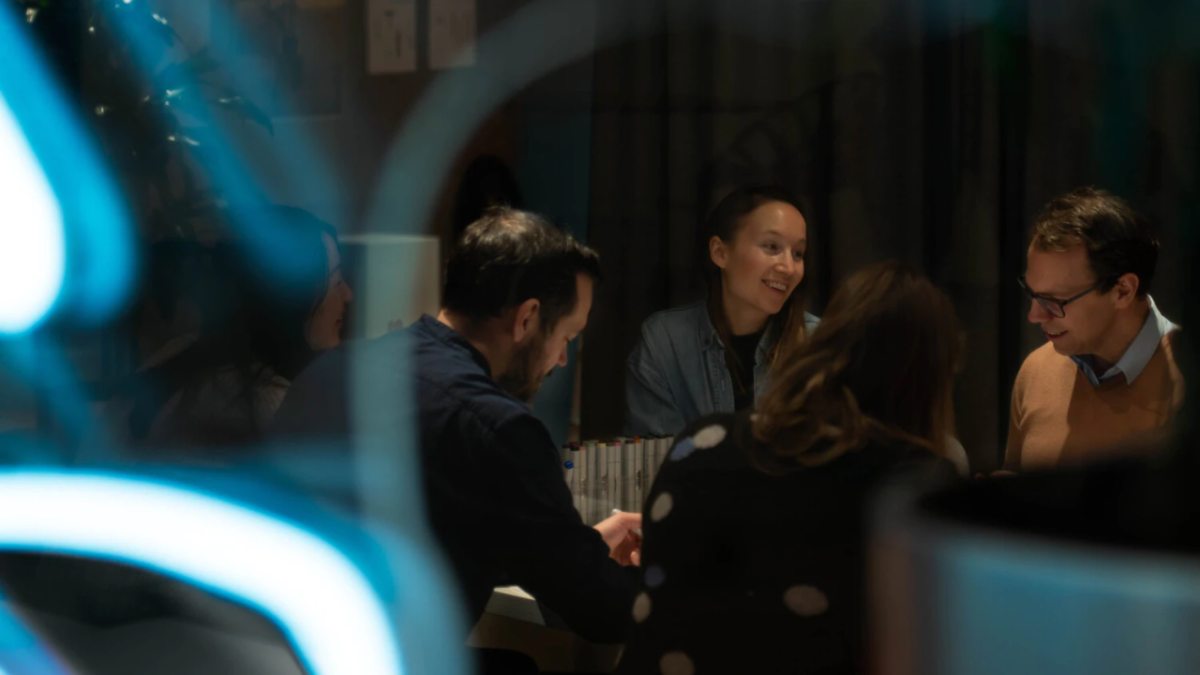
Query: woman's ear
[{"x": 718, "y": 251}]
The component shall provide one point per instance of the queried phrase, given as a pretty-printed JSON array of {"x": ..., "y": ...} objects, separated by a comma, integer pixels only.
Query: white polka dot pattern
[
  {"x": 641, "y": 608},
  {"x": 676, "y": 663},
  {"x": 806, "y": 600},
  {"x": 682, "y": 449},
  {"x": 709, "y": 436},
  {"x": 662, "y": 507}
]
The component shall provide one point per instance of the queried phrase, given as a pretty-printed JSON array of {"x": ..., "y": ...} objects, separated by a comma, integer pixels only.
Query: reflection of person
[
  {"x": 1107, "y": 374},
  {"x": 756, "y": 526},
  {"x": 257, "y": 334},
  {"x": 517, "y": 291},
  {"x": 715, "y": 356}
]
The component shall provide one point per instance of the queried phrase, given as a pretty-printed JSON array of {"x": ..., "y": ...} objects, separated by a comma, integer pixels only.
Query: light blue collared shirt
[{"x": 1134, "y": 360}]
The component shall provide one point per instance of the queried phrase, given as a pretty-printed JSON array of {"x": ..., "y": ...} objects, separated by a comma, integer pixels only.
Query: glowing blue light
[
  {"x": 321, "y": 599},
  {"x": 23, "y": 653},
  {"x": 32, "y": 250},
  {"x": 264, "y": 237},
  {"x": 91, "y": 239}
]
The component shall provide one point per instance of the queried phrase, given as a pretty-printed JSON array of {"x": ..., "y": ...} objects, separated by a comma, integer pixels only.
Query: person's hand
[{"x": 624, "y": 544}]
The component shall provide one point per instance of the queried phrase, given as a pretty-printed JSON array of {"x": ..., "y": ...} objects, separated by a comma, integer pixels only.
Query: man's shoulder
[
  {"x": 1043, "y": 367},
  {"x": 477, "y": 418},
  {"x": 1170, "y": 343},
  {"x": 450, "y": 378},
  {"x": 1168, "y": 351},
  {"x": 1043, "y": 358},
  {"x": 470, "y": 393}
]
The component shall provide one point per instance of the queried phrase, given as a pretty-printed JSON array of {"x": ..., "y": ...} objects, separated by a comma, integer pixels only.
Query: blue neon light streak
[
  {"x": 263, "y": 238},
  {"x": 32, "y": 247},
  {"x": 99, "y": 246},
  {"x": 320, "y": 598}
]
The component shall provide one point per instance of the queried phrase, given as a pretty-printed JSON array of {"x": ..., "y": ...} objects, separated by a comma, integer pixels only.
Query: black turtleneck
[{"x": 745, "y": 347}]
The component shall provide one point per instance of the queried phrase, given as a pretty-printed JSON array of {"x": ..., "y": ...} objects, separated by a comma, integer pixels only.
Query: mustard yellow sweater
[{"x": 1059, "y": 418}]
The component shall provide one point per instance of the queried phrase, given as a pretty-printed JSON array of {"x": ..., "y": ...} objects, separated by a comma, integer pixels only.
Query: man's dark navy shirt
[{"x": 495, "y": 494}]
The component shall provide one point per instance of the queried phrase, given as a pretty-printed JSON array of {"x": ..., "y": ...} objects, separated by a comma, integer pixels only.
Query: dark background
[
  {"x": 927, "y": 132},
  {"x": 930, "y": 132}
]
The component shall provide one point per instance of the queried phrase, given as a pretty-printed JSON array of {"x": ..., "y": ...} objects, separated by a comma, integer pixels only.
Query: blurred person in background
[{"x": 258, "y": 332}]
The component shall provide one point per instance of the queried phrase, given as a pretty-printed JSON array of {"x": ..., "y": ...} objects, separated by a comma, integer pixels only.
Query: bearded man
[{"x": 517, "y": 291}]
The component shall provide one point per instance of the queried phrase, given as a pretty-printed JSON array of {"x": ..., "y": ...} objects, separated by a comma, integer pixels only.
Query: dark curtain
[{"x": 927, "y": 132}]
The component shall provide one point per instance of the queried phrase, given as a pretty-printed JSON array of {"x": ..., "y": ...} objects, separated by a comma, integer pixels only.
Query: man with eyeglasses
[{"x": 1107, "y": 376}]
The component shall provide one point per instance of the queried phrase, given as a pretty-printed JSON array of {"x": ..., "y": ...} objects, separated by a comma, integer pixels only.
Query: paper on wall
[{"x": 391, "y": 36}]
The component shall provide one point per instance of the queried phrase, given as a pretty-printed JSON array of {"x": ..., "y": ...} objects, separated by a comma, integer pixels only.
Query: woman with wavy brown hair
[{"x": 755, "y": 529}]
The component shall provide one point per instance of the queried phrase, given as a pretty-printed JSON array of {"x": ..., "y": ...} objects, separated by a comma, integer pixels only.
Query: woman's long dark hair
[
  {"x": 725, "y": 221},
  {"x": 488, "y": 182},
  {"x": 879, "y": 367},
  {"x": 254, "y": 319},
  {"x": 265, "y": 311}
]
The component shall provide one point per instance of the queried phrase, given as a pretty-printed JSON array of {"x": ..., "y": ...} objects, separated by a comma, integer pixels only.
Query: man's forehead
[
  {"x": 1057, "y": 271},
  {"x": 584, "y": 292},
  {"x": 575, "y": 324}
]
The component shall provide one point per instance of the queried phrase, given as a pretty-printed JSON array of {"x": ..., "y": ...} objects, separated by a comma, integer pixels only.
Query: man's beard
[{"x": 523, "y": 377}]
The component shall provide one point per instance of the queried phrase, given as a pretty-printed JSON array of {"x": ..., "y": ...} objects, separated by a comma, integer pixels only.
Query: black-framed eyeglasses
[{"x": 1056, "y": 308}]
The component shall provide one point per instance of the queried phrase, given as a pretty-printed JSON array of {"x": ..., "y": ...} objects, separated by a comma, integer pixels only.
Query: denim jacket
[{"x": 677, "y": 372}]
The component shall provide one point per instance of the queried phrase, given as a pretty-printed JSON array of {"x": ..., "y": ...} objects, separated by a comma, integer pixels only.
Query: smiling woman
[{"x": 715, "y": 356}]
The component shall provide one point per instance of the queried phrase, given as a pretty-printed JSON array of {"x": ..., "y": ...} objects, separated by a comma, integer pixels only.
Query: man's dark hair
[
  {"x": 509, "y": 256},
  {"x": 1118, "y": 240}
]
